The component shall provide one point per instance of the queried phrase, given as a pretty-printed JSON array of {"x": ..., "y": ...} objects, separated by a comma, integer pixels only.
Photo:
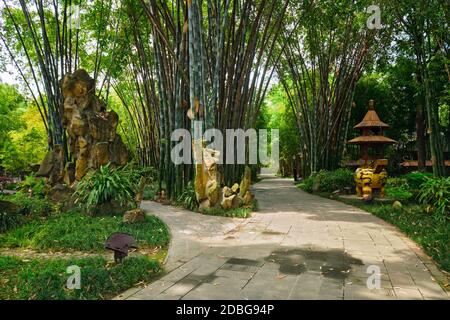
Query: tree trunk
[{"x": 420, "y": 133}]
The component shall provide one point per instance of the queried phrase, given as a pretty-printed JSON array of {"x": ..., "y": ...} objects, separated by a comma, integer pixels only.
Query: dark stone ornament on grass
[{"x": 120, "y": 243}]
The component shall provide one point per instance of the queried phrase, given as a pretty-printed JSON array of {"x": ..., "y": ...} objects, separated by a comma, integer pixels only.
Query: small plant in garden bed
[
  {"x": 187, "y": 199},
  {"x": 18, "y": 209},
  {"x": 104, "y": 186},
  {"x": 46, "y": 279},
  {"x": 401, "y": 193},
  {"x": 37, "y": 186},
  {"x": 435, "y": 194},
  {"x": 328, "y": 181},
  {"x": 77, "y": 231},
  {"x": 243, "y": 212},
  {"x": 231, "y": 213}
]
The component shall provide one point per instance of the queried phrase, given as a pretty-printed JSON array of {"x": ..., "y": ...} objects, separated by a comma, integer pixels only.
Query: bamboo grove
[
  {"x": 166, "y": 63},
  {"x": 206, "y": 61}
]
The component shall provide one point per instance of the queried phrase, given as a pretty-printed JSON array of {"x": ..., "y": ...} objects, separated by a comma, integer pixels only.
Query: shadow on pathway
[{"x": 297, "y": 246}]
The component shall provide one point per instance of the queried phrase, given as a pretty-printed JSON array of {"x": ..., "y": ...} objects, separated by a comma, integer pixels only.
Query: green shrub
[
  {"x": 46, "y": 279},
  {"x": 36, "y": 185},
  {"x": 34, "y": 206},
  {"x": 329, "y": 181},
  {"x": 106, "y": 185},
  {"x": 187, "y": 199},
  {"x": 11, "y": 186},
  {"x": 435, "y": 193},
  {"x": 307, "y": 184},
  {"x": 401, "y": 193},
  {"x": 397, "y": 182},
  {"x": 150, "y": 191},
  {"x": 415, "y": 179},
  {"x": 336, "y": 180},
  {"x": 77, "y": 231}
]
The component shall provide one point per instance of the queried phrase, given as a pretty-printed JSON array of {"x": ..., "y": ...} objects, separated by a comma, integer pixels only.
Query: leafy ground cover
[
  {"x": 77, "y": 231},
  {"x": 45, "y": 279}
]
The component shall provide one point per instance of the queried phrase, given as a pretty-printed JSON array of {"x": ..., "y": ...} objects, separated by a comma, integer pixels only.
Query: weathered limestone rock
[
  {"x": 9, "y": 207},
  {"x": 227, "y": 191},
  {"x": 235, "y": 188},
  {"x": 205, "y": 204},
  {"x": 91, "y": 130},
  {"x": 101, "y": 155},
  {"x": 230, "y": 202},
  {"x": 246, "y": 181},
  {"x": 213, "y": 192},
  {"x": 207, "y": 178},
  {"x": 62, "y": 194},
  {"x": 133, "y": 216},
  {"x": 397, "y": 205},
  {"x": 316, "y": 184},
  {"x": 207, "y": 182},
  {"x": 53, "y": 165},
  {"x": 248, "y": 199},
  {"x": 69, "y": 173}
]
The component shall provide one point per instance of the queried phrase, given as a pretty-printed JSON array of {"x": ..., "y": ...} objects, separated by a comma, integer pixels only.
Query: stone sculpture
[
  {"x": 371, "y": 174},
  {"x": 91, "y": 133},
  {"x": 208, "y": 183}
]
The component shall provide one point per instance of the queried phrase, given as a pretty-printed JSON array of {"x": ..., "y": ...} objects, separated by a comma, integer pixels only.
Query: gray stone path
[{"x": 297, "y": 246}]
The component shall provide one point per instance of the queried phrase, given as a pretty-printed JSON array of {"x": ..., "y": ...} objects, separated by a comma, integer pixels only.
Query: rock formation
[
  {"x": 208, "y": 183},
  {"x": 91, "y": 132}
]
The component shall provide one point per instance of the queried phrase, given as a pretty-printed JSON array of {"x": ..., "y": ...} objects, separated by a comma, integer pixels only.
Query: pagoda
[{"x": 371, "y": 172}]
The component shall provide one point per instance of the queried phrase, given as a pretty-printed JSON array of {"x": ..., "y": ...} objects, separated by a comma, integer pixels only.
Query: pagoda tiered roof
[{"x": 371, "y": 119}]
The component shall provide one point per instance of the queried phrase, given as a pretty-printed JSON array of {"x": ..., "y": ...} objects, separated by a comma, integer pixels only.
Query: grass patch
[
  {"x": 76, "y": 231},
  {"x": 231, "y": 213},
  {"x": 46, "y": 279},
  {"x": 432, "y": 235}
]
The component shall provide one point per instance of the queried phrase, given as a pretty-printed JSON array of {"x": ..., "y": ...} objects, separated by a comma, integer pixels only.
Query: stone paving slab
[{"x": 297, "y": 246}]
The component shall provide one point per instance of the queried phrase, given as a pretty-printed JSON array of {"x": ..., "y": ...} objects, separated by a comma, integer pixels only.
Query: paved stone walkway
[{"x": 297, "y": 246}]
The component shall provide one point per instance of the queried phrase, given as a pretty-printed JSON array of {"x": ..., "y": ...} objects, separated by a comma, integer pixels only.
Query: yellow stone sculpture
[{"x": 371, "y": 173}]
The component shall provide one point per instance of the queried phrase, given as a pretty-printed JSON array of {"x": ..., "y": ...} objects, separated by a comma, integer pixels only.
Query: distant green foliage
[
  {"x": 187, "y": 198},
  {"x": 282, "y": 117},
  {"x": 76, "y": 231},
  {"x": 46, "y": 279},
  {"x": 105, "y": 185},
  {"x": 329, "y": 181},
  {"x": 435, "y": 193},
  {"x": 23, "y": 138}
]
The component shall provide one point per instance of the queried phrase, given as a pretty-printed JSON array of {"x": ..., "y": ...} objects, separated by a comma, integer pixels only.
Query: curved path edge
[{"x": 297, "y": 246}]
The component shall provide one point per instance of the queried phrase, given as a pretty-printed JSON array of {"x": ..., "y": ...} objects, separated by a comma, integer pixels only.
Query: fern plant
[
  {"x": 104, "y": 186},
  {"x": 435, "y": 192},
  {"x": 187, "y": 198}
]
